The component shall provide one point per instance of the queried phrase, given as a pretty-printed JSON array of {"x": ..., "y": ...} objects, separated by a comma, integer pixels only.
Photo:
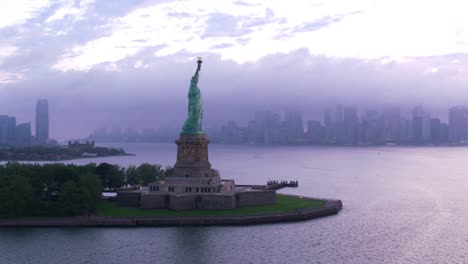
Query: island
[
  {"x": 195, "y": 193},
  {"x": 74, "y": 150},
  {"x": 39, "y": 195}
]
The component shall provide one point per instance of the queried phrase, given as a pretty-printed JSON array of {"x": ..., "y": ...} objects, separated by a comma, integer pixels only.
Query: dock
[
  {"x": 273, "y": 185},
  {"x": 276, "y": 185}
]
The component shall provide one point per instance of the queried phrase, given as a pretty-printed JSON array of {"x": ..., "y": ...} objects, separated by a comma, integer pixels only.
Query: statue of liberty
[{"x": 195, "y": 107}]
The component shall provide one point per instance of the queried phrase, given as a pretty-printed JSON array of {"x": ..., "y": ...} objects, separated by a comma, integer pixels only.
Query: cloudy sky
[{"x": 129, "y": 62}]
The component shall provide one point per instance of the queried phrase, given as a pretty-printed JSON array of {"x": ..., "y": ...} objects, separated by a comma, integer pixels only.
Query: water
[{"x": 401, "y": 205}]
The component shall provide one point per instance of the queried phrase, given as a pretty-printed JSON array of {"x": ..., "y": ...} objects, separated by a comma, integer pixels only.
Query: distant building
[
  {"x": 338, "y": 126},
  {"x": 265, "y": 129},
  {"x": 23, "y": 135},
  {"x": 458, "y": 124},
  {"x": 295, "y": 127},
  {"x": 251, "y": 132},
  {"x": 329, "y": 126},
  {"x": 426, "y": 128},
  {"x": 391, "y": 122},
  {"x": 406, "y": 131},
  {"x": 76, "y": 145},
  {"x": 315, "y": 133},
  {"x": 42, "y": 121},
  {"x": 272, "y": 125},
  {"x": 231, "y": 133},
  {"x": 372, "y": 128},
  {"x": 7, "y": 130},
  {"x": 444, "y": 133},
  {"x": 435, "y": 131},
  {"x": 351, "y": 126},
  {"x": 417, "y": 124}
]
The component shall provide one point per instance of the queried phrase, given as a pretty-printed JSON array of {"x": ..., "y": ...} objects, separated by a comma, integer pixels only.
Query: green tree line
[{"x": 28, "y": 190}]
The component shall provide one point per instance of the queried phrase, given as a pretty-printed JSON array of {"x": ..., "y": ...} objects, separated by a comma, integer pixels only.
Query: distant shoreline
[
  {"x": 72, "y": 158},
  {"x": 330, "y": 208},
  {"x": 301, "y": 144},
  {"x": 57, "y": 153}
]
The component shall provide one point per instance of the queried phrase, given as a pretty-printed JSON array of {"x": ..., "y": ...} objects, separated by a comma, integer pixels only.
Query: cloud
[
  {"x": 18, "y": 11},
  {"x": 222, "y": 46},
  {"x": 176, "y": 25},
  {"x": 242, "y": 3},
  {"x": 322, "y": 22},
  {"x": 8, "y": 77},
  {"x": 224, "y": 25},
  {"x": 118, "y": 30},
  {"x": 70, "y": 9}
]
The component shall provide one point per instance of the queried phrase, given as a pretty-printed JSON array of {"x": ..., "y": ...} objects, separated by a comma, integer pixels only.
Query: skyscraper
[
  {"x": 426, "y": 128},
  {"x": 350, "y": 125},
  {"x": 435, "y": 130},
  {"x": 339, "y": 124},
  {"x": 7, "y": 130},
  {"x": 373, "y": 126},
  {"x": 391, "y": 122},
  {"x": 458, "y": 124},
  {"x": 23, "y": 135},
  {"x": 42, "y": 121},
  {"x": 294, "y": 126},
  {"x": 315, "y": 132},
  {"x": 417, "y": 124}
]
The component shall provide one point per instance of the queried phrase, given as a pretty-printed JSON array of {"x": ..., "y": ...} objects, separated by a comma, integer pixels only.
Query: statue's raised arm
[
  {"x": 193, "y": 122},
  {"x": 195, "y": 76},
  {"x": 199, "y": 61}
]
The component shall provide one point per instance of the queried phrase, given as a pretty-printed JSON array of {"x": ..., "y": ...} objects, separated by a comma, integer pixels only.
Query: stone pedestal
[
  {"x": 192, "y": 157},
  {"x": 192, "y": 171}
]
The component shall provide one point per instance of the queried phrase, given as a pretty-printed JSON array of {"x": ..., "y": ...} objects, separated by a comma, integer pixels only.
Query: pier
[
  {"x": 273, "y": 185},
  {"x": 276, "y": 185}
]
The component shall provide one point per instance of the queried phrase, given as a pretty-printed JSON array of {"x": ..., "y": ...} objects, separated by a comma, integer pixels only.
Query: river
[{"x": 401, "y": 205}]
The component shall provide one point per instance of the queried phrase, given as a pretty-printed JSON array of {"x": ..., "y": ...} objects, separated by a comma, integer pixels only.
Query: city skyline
[
  {"x": 98, "y": 62},
  {"x": 338, "y": 125}
]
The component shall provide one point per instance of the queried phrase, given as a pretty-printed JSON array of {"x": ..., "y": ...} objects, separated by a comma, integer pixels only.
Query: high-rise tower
[
  {"x": 42, "y": 121},
  {"x": 458, "y": 124}
]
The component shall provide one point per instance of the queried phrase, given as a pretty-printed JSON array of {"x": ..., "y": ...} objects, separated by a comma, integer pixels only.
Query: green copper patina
[{"x": 195, "y": 106}]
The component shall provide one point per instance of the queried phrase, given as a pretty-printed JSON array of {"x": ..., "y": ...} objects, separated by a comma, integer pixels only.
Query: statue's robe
[{"x": 195, "y": 108}]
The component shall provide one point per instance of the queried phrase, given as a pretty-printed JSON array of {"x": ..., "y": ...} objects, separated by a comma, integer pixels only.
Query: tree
[
  {"x": 149, "y": 173},
  {"x": 132, "y": 176},
  {"x": 168, "y": 171},
  {"x": 116, "y": 177},
  {"x": 60, "y": 189},
  {"x": 216, "y": 172},
  {"x": 112, "y": 176},
  {"x": 91, "y": 188},
  {"x": 103, "y": 171},
  {"x": 71, "y": 199},
  {"x": 16, "y": 196},
  {"x": 22, "y": 195}
]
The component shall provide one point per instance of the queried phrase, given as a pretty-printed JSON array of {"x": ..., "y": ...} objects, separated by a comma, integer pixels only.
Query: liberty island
[{"x": 195, "y": 186}]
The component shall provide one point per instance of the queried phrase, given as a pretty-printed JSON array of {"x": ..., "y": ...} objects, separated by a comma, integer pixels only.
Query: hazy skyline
[{"x": 129, "y": 62}]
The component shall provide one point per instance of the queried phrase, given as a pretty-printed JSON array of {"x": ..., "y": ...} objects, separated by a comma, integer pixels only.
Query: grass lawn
[{"x": 284, "y": 204}]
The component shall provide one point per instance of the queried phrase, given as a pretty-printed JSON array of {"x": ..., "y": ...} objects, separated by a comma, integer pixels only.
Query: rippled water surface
[{"x": 401, "y": 205}]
